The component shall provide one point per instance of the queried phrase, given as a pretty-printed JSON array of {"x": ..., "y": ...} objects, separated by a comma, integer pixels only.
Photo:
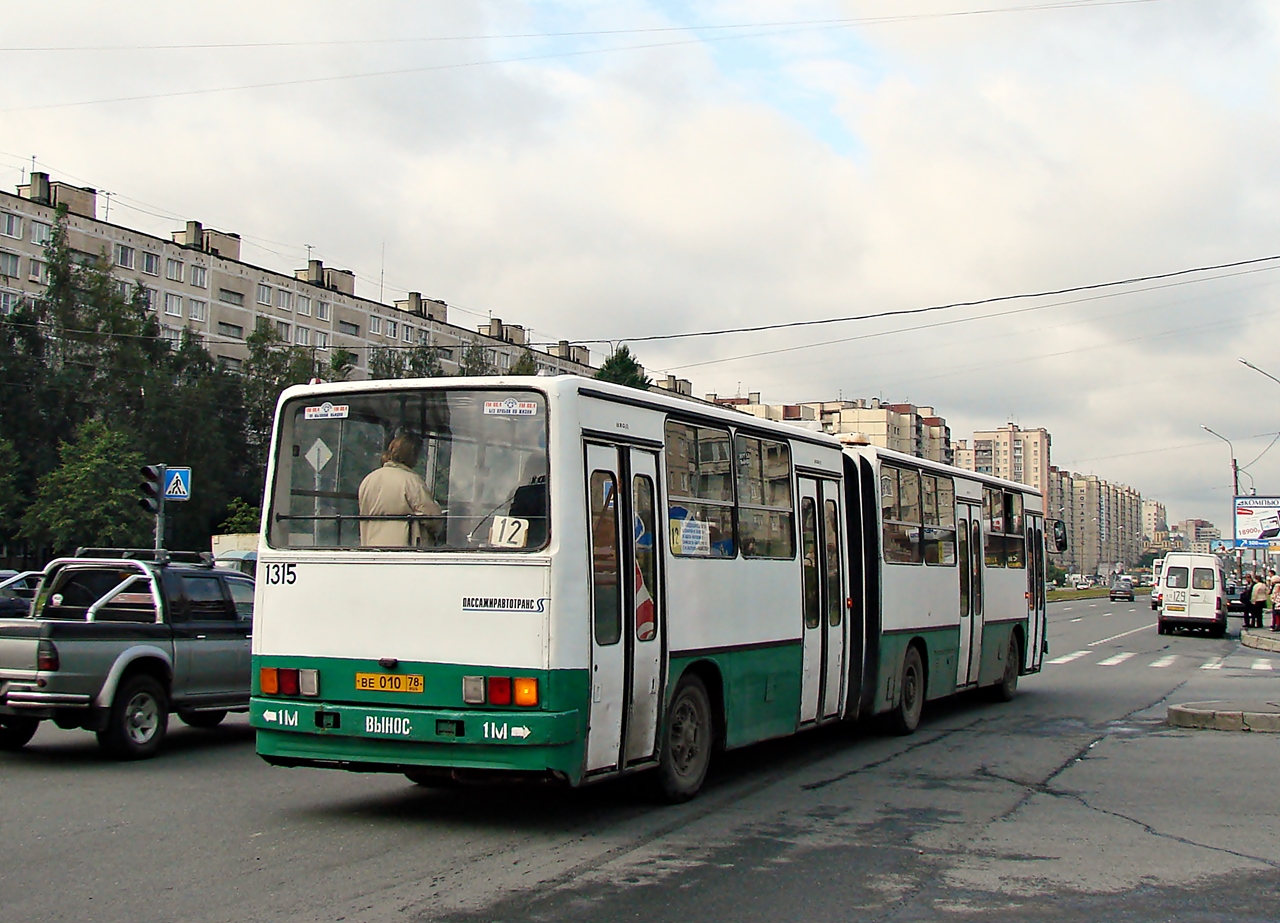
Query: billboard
[{"x": 1257, "y": 521}]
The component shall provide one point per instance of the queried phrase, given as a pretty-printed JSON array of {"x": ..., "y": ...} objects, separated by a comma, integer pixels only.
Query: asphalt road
[{"x": 1074, "y": 802}]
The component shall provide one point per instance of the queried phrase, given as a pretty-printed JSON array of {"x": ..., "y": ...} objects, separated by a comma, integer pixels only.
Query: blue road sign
[{"x": 177, "y": 484}]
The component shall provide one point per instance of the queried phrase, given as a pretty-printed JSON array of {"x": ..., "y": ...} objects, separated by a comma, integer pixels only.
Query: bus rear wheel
[
  {"x": 687, "y": 737},
  {"x": 1007, "y": 688},
  {"x": 904, "y": 719}
]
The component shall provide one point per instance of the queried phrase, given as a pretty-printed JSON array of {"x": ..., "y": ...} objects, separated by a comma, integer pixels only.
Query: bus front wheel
[
  {"x": 905, "y": 718},
  {"x": 687, "y": 737}
]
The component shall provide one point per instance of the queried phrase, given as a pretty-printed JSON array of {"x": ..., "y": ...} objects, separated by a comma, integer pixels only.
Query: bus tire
[
  {"x": 688, "y": 734},
  {"x": 202, "y": 719},
  {"x": 137, "y": 721},
  {"x": 16, "y": 731},
  {"x": 1007, "y": 688},
  {"x": 905, "y": 718}
]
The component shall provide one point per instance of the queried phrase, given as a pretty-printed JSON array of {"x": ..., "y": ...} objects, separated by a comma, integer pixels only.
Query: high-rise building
[
  {"x": 1009, "y": 452},
  {"x": 197, "y": 281},
  {"x": 1154, "y": 519}
]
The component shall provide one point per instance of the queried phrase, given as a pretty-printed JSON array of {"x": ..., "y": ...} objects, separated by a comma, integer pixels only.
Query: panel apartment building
[
  {"x": 1009, "y": 452},
  {"x": 197, "y": 281}
]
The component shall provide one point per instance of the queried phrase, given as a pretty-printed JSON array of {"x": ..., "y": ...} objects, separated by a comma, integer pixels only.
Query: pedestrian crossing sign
[{"x": 177, "y": 484}]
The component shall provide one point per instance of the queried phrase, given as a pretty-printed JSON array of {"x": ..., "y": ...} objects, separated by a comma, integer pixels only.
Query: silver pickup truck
[{"x": 113, "y": 644}]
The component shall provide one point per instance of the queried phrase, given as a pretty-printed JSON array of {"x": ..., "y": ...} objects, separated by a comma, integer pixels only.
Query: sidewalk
[{"x": 1225, "y": 701}]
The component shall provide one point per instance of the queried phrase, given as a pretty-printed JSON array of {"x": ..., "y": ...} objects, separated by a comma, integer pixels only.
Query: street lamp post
[{"x": 1235, "y": 487}]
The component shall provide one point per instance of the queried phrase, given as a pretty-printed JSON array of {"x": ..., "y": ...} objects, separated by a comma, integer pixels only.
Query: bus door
[
  {"x": 823, "y": 600},
  {"x": 1037, "y": 611},
  {"x": 626, "y": 627},
  {"x": 969, "y": 552}
]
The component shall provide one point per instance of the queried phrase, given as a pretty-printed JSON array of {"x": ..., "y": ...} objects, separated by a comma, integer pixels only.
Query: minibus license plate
[
  {"x": 389, "y": 682},
  {"x": 1176, "y": 608}
]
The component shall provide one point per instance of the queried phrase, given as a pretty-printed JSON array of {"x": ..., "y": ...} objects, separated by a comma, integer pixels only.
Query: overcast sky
[{"x": 608, "y": 170}]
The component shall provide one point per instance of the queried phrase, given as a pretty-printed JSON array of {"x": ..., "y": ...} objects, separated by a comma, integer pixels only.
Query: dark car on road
[
  {"x": 16, "y": 592},
  {"x": 1122, "y": 589}
]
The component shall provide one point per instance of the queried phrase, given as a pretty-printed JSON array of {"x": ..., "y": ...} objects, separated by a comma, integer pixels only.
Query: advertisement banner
[
  {"x": 1257, "y": 520},
  {"x": 1221, "y": 545}
]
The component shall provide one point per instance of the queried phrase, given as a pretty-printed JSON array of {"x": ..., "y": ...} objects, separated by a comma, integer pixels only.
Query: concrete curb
[
  {"x": 1227, "y": 716},
  {"x": 1252, "y": 637}
]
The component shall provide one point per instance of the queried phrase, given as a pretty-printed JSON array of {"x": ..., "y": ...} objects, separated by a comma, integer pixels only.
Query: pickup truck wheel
[
  {"x": 202, "y": 719},
  {"x": 138, "y": 720},
  {"x": 16, "y": 731}
]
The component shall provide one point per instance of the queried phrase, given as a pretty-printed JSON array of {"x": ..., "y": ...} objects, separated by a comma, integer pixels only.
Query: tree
[
  {"x": 474, "y": 361},
  {"x": 241, "y": 517},
  {"x": 386, "y": 363},
  {"x": 423, "y": 362},
  {"x": 271, "y": 367},
  {"x": 91, "y": 498},
  {"x": 525, "y": 365},
  {"x": 341, "y": 363},
  {"x": 9, "y": 497},
  {"x": 622, "y": 368}
]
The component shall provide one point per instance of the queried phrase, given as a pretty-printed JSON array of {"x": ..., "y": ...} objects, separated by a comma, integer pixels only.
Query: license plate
[
  {"x": 389, "y": 682},
  {"x": 1176, "y": 608}
]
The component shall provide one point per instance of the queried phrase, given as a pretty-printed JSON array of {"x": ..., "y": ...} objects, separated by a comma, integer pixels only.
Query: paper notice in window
[{"x": 689, "y": 536}]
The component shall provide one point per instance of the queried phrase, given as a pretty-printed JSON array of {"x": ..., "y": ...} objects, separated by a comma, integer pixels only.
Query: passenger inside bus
[{"x": 395, "y": 489}]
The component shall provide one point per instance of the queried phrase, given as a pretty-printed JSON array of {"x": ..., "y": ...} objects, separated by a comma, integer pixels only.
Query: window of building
[
  {"x": 10, "y": 224},
  {"x": 700, "y": 488},
  {"x": 284, "y": 300},
  {"x": 231, "y": 363},
  {"x": 199, "y": 277},
  {"x": 900, "y": 514},
  {"x": 406, "y": 333},
  {"x": 9, "y": 301},
  {"x": 765, "y": 526},
  {"x": 304, "y": 305},
  {"x": 10, "y": 264},
  {"x": 322, "y": 339},
  {"x": 264, "y": 294},
  {"x": 124, "y": 256},
  {"x": 391, "y": 329},
  {"x": 171, "y": 335},
  {"x": 173, "y": 270},
  {"x": 322, "y": 310},
  {"x": 226, "y": 296},
  {"x": 231, "y": 330},
  {"x": 150, "y": 263},
  {"x": 123, "y": 289},
  {"x": 375, "y": 324},
  {"x": 40, "y": 232},
  {"x": 303, "y": 336},
  {"x": 150, "y": 297},
  {"x": 37, "y": 271},
  {"x": 282, "y": 330},
  {"x": 197, "y": 310},
  {"x": 172, "y": 304},
  {"x": 350, "y": 329}
]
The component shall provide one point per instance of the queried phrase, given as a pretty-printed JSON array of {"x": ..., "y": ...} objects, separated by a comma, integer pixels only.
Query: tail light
[
  {"x": 269, "y": 681},
  {"x": 289, "y": 681},
  {"x": 499, "y": 690},
  {"x": 47, "y": 656},
  {"x": 526, "y": 690}
]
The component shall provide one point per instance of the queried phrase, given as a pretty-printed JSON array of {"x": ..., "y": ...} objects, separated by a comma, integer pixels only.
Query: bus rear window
[{"x": 451, "y": 469}]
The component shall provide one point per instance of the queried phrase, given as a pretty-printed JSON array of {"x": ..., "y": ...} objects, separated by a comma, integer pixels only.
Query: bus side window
[{"x": 809, "y": 549}]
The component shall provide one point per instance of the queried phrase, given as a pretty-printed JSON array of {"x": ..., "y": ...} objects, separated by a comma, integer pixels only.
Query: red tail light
[
  {"x": 288, "y": 681},
  {"x": 47, "y": 656},
  {"x": 499, "y": 690}
]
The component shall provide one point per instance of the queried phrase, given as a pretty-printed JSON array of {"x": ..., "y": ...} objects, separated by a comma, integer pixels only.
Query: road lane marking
[
  {"x": 1212, "y": 665},
  {"x": 1124, "y": 634},
  {"x": 1166, "y": 660},
  {"x": 1073, "y": 621},
  {"x": 1093, "y": 605},
  {"x": 1067, "y": 658},
  {"x": 1260, "y": 664},
  {"x": 1115, "y": 659},
  {"x": 1066, "y": 608}
]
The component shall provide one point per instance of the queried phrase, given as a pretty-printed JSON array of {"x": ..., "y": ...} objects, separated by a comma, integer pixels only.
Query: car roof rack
[{"x": 160, "y": 556}]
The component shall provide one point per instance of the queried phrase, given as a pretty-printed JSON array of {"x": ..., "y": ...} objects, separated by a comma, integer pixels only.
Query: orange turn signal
[
  {"x": 526, "y": 690},
  {"x": 269, "y": 681}
]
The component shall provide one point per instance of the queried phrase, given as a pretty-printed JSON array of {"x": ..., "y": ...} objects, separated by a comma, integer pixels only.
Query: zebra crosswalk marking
[
  {"x": 1164, "y": 661},
  {"x": 1260, "y": 664},
  {"x": 1212, "y": 665},
  {"x": 1067, "y": 658},
  {"x": 1116, "y": 659}
]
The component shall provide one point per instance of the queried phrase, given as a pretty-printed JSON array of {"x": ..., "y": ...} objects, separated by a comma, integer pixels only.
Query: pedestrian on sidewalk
[
  {"x": 1246, "y": 599},
  {"x": 1275, "y": 606},
  {"x": 1258, "y": 596}
]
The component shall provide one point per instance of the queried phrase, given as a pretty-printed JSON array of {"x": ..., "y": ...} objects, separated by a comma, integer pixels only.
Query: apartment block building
[
  {"x": 1154, "y": 520},
  {"x": 1009, "y": 452},
  {"x": 197, "y": 281},
  {"x": 903, "y": 427}
]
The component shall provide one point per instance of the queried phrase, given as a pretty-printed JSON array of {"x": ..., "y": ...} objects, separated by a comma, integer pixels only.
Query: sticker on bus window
[
  {"x": 511, "y": 408},
  {"x": 691, "y": 536},
  {"x": 509, "y": 532},
  {"x": 326, "y": 411}
]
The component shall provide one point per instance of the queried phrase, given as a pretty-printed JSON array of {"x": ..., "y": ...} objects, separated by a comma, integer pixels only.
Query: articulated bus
[{"x": 583, "y": 580}]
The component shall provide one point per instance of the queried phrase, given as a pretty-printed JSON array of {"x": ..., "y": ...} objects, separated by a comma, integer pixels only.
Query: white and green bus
[{"x": 606, "y": 581}]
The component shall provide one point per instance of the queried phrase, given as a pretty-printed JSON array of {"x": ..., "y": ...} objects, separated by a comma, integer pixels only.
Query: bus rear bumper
[{"x": 378, "y": 739}]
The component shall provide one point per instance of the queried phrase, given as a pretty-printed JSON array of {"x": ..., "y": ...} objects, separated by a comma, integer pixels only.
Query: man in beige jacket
[{"x": 396, "y": 490}]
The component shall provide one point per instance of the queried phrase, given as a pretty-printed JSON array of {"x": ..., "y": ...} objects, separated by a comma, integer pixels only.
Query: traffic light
[{"x": 152, "y": 488}]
